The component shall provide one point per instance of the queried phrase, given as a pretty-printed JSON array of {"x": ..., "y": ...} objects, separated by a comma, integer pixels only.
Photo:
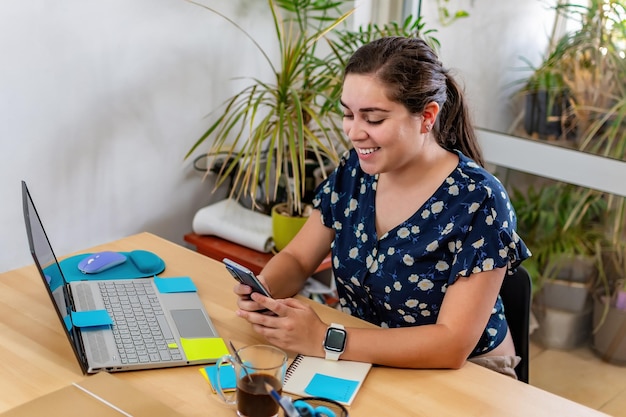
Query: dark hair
[{"x": 414, "y": 77}]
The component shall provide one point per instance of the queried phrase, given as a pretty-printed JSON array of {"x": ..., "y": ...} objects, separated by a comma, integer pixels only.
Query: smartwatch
[{"x": 335, "y": 341}]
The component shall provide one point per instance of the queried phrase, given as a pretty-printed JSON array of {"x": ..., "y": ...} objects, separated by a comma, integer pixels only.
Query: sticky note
[
  {"x": 228, "y": 380},
  {"x": 91, "y": 318},
  {"x": 204, "y": 348},
  {"x": 175, "y": 284},
  {"x": 337, "y": 389}
]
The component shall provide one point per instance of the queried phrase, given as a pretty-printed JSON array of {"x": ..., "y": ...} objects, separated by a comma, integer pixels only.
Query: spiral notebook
[{"x": 318, "y": 377}]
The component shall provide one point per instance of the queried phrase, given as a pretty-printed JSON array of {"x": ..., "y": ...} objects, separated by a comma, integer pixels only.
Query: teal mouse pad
[{"x": 138, "y": 264}]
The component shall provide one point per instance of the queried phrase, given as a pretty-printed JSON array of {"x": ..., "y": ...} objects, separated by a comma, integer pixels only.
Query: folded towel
[{"x": 231, "y": 221}]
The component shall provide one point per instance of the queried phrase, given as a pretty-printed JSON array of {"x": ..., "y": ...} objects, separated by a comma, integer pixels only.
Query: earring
[{"x": 428, "y": 128}]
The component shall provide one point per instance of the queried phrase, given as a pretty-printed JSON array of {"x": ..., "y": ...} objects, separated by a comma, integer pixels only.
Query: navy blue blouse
[{"x": 399, "y": 279}]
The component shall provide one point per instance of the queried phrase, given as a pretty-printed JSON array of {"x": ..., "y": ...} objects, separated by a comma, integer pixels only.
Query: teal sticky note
[
  {"x": 175, "y": 284},
  {"x": 337, "y": 389},
  {"x": 91, "y": 318},
  {"x": 228, "y": 381}
]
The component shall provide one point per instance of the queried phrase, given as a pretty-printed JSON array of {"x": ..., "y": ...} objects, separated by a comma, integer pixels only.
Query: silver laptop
[{"x": 148, "y": 329}]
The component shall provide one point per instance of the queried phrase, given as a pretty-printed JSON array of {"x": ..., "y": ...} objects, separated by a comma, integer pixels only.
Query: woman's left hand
[{"x": 295, "y": 327}]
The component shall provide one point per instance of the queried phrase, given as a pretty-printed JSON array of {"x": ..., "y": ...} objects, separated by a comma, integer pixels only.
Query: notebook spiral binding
[{"x": 292, "y": 367}]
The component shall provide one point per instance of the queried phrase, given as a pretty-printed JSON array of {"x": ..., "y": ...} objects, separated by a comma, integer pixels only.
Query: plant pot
[
  {"x": 561, "y": 329},
  {"x": 609, "y": 339},
  {"x": 563, "y": 295},
  {"x": 574, "y": 268},
  {"x": 541, "y": 121},
  {"x": 570, "y": 289},
  {"x": 284, "y": 227}
]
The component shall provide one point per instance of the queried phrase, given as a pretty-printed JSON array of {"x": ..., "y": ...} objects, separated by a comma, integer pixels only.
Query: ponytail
[{"x": 455, "y": 130}]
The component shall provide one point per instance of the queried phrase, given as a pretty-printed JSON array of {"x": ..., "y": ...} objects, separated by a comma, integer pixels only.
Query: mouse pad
[{"x": 138, "y": 264}]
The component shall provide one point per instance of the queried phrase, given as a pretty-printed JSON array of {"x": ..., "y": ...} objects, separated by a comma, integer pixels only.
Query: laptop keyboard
[{"x": 141, "y": 331}]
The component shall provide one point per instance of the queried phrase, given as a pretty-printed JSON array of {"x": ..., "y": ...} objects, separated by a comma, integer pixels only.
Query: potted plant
[
  {"x": 546, "y": 104},
  {"x": 562, "y": 225},
  {"x": 579, "y": 88},
  {"x": 272, "y": 134},
  {"x": 267, "y": 134},
  {"x": 557, "y": 221}
]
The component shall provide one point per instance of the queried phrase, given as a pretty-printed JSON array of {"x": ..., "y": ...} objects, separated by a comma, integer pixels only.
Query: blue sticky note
[
  {"x": 91, "y": 318},
  {"x": 228, "y": 381},
  {"x": 337, "y": 389},
  {"x": 175, "y": 284}
]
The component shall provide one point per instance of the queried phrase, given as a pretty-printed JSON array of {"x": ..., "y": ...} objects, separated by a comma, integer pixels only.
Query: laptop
[{"x": 146, "y": 328}]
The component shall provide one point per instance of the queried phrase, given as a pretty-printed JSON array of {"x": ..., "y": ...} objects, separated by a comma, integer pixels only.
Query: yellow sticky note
[
  {"x": 206, "y": 376},
  {"x": 204, "y": 348}
]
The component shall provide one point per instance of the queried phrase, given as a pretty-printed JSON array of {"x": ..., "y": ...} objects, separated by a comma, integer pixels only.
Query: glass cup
[{"x": 255, "y": 366}]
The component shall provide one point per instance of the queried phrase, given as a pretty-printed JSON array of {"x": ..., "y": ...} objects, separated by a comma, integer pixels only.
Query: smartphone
[{"x": 245, "y": 276}]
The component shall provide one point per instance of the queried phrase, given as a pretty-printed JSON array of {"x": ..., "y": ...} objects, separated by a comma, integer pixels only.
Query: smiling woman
[{"x": 421, "y": 234}]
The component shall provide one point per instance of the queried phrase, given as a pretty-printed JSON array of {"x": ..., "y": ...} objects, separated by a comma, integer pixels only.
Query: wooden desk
[
  {"x": 37, "y": 358},
  {"x": 218, "y": 249}
]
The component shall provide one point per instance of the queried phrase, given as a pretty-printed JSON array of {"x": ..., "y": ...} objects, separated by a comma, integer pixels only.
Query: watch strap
[{"x": 333, "y": 356}]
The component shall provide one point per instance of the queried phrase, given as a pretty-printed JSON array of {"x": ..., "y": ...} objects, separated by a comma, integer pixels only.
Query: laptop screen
[{"x": 50, "y": 270}]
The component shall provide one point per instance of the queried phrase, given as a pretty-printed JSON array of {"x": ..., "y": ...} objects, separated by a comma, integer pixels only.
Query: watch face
[{"x": 335, "y": 339}]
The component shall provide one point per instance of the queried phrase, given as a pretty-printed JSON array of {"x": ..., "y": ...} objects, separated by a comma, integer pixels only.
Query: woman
[{"x": 421, "y": 234}]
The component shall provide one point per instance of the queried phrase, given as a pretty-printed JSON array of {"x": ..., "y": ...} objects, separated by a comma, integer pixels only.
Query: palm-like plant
[{"x": 269, "y": 129}]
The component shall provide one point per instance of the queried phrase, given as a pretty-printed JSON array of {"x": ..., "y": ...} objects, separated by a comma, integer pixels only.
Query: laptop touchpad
[{"x": 192, "y": 324}]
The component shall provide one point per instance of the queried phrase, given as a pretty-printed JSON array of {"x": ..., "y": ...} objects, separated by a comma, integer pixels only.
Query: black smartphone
[{"x": 245, "y": 276}]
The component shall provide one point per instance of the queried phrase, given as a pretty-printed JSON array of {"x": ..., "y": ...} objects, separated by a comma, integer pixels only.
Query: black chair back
[{"x": 516, "y": 294}]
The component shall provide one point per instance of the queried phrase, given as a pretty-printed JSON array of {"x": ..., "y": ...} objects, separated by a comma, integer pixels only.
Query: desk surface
[{"x": 37, "y": 359}]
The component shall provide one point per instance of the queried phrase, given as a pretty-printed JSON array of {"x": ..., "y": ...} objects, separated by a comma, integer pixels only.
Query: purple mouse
[{"x": 101, "y": 261}]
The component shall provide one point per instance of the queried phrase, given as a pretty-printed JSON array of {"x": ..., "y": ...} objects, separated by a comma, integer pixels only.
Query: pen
[{"x": 284, "y": 402}]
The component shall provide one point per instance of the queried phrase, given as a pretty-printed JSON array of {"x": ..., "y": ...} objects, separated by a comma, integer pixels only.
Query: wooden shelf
[{"x": 218, "y": 249}]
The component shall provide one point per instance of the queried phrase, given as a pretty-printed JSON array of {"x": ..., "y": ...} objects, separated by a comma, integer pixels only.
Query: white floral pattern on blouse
[{"x": 399, "y": 279}]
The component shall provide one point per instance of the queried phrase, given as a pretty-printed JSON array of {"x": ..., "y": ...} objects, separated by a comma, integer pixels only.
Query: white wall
[{"x": 100, "y": 100}]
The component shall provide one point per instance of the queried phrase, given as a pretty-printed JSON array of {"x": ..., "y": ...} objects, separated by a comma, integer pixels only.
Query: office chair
[{"x": 516, "y": 294}]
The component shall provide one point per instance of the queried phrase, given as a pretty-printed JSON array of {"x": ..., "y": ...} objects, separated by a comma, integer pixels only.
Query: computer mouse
[{"x": 101, "y": 261}]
